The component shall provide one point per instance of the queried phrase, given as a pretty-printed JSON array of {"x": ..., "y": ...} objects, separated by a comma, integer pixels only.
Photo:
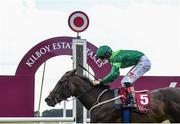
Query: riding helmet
[{"x": 104, "y": 52}]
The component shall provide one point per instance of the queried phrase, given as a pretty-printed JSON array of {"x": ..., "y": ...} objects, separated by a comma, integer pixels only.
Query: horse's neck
[{"x": 89, "y": 99}]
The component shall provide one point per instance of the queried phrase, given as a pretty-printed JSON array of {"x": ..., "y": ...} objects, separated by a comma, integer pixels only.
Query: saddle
[{"x": 142, "y": 99}]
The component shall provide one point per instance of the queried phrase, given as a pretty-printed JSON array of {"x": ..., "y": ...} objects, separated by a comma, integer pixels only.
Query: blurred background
[{"x": 151, "y": 26}]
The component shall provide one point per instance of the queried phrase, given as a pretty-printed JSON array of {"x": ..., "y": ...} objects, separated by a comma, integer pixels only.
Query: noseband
[{"x": 62, "y": 89}]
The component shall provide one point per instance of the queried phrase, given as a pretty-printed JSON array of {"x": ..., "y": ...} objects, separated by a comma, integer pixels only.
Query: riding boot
[{"x": 130, "y": 95}]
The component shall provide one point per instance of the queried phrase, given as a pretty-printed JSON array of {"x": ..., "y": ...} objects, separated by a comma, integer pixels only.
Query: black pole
[{"x": 79, "y": 61}]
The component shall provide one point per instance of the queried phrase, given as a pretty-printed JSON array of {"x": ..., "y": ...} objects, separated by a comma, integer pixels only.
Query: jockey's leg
[
  {"x": 131, "y": 94},
  {"x": 135, "y": 73}
]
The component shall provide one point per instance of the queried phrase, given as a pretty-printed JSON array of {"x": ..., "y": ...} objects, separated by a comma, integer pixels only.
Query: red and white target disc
[{"x": 78, "y": 21}]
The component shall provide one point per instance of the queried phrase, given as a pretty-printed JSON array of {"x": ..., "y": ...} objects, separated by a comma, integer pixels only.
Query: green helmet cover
[{"x": 104, "y": 51}]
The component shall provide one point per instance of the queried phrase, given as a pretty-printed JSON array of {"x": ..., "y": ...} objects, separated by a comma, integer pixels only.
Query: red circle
[{"x": 78, "y": 21}]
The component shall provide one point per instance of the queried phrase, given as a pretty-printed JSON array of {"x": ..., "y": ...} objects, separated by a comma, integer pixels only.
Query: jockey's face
[
  {"x": 101, "y": 58},
  {"x": 105, "y": 61}
]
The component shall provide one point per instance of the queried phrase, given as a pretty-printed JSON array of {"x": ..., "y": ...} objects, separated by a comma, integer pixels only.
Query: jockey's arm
[{"x": 113, "y": 74}]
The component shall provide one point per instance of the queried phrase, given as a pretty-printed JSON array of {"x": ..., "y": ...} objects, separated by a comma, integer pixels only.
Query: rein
[
  {"x": 97, "y": 103},
  {"x": 82, "y": 93},
  {"x": 104, "y": 102}
]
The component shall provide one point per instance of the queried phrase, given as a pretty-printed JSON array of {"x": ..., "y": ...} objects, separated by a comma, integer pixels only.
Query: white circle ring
[{"x": 81, "y": 15}]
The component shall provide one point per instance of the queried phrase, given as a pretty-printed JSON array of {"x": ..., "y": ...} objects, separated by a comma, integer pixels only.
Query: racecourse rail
[{"x": 38, "y": 119}]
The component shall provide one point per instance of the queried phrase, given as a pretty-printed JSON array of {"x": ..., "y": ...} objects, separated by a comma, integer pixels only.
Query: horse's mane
[{"x": 86, "y": 79}]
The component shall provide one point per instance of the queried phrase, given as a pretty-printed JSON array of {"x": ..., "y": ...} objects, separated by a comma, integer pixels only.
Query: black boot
[{"x": 130, "y": 95}]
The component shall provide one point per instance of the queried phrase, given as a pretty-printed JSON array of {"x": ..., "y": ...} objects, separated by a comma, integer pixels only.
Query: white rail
[{"x": 35, "y": 119}]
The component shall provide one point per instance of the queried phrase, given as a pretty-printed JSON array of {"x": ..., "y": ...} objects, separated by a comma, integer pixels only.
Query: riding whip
[{"x": 87, "y": 71}]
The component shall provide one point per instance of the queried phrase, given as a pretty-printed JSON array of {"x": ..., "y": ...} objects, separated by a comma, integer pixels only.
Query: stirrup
[
  {"x": 130, "y": 106},
  {"x": 131, "y": 103}
]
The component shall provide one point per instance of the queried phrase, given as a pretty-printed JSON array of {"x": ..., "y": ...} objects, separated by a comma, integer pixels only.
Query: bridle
[{"x": 58, "y": 97}]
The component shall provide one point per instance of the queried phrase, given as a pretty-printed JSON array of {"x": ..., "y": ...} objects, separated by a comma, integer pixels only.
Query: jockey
[{"x": 123, "y": 59}]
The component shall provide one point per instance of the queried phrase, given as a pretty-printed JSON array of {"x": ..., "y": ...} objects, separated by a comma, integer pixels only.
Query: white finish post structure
[{"x": 79, "y": 57}]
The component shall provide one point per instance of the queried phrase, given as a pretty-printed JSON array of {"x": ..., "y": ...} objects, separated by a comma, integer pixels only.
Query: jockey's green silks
[{"x": 121, "y": 59}]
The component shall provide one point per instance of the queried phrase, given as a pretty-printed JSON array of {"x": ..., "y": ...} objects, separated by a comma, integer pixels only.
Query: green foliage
[{"x": 56, "y": 113}]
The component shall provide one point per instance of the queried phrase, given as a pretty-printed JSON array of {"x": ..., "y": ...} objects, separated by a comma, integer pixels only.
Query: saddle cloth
[{"x": 142, "y": 99}]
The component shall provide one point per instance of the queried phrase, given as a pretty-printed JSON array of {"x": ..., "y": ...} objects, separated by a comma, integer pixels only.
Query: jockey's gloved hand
[{"x": 96, "y": 82}]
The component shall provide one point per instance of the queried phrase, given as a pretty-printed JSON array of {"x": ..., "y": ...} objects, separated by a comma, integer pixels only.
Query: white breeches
[{"x": 137, "y": 71}]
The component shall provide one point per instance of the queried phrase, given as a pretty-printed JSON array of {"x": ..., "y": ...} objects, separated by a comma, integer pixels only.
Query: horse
[{"x": 165, "y": 102}]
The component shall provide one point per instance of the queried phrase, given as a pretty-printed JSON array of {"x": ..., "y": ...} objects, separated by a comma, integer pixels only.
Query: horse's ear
[{"x": 73, "y": 72}]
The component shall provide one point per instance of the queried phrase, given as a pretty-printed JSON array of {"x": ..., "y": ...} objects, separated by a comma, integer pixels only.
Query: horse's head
[{"x": 62, "y": 90}]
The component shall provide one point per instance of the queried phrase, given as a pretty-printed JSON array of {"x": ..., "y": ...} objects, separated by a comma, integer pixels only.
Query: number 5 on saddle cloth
[{"x": 142, "y": 99}]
